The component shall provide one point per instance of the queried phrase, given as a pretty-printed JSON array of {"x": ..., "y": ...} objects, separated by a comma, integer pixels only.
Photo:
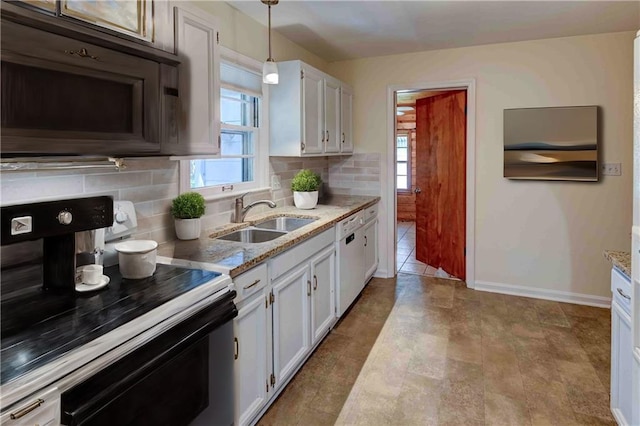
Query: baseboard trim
[
  {"x": 543, "y": 293},
  {"x": 381, "y": 273}
]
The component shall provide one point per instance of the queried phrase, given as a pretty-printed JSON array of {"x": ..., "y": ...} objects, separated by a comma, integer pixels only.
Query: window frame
[
  {"x": 406, "y": 133},
  {"x": 261, "y": 146}
]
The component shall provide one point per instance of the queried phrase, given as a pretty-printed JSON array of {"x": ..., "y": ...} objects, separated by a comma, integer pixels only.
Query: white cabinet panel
[
  {"x": 291, "y": 322},
  {"x": 196, "y": 45},
  {"x": 252, "y": 363},
  {"x": 621, "y": 365},
  {"x": 312, "y": 113},
  {"x": 332, "y": 135},
  {"x": 370, "y": 249},
  {"x": 323, "y": 293},
  {"x": 346, "y": 118}
]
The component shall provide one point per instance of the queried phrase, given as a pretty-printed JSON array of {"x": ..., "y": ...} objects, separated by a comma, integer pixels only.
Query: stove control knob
[
  {"x": 120, "y": 216},
  {"x": 65, "y": 217}
]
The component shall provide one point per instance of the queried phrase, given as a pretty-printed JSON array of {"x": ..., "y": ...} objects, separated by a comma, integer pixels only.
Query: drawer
[
  {"x": 250, "y": 281},
  {"x": 371, "y": 213},
  {"x": 621, "y": 289},
  {"x": 42, "y": 409},
  {"x": 299, "y": 253}
]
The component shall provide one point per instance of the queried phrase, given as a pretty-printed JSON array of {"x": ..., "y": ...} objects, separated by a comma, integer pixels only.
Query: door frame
[{"x": 391, "y": 226}]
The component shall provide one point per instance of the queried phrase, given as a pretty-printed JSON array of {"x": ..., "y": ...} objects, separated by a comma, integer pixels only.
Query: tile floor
[
  {"x": 420, "y": 350},
  {"x": 406, "y": 252}
]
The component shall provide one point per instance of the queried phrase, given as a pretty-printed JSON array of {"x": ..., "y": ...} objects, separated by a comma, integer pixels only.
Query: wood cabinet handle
[
  {"x": 251, "y": 285},
  {"x": 236, "y": 349},
  {"x": 315, "y": 283}
]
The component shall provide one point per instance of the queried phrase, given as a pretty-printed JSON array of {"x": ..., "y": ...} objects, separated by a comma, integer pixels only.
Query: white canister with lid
[{"x": 137, "y": 258}]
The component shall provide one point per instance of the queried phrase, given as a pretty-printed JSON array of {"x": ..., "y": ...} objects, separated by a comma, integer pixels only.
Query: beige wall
[
  {"x": 245, "y": 35},
  {"x": 537, "y": 234}
]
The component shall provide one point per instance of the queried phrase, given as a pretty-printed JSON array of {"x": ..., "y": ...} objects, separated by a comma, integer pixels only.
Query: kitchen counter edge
[{"x": 220, "y": 253}]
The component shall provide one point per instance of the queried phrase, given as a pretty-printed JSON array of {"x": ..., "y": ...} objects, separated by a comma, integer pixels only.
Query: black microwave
[{"x": 63, "y": 95}]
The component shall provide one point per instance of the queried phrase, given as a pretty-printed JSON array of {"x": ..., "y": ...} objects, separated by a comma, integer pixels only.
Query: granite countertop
[
  {"x": 235, "y": 258},
  {"x": 620, "y": 259}
]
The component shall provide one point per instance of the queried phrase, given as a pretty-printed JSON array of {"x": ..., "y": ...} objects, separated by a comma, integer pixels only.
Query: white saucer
[{"x": 91, "y": 287}]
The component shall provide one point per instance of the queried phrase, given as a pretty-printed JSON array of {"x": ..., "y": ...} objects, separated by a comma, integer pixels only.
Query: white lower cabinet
[
  {"x": 291, "y": 321},
  {"x": 622, "y": 403},
  {"x": 323, "y": 301},
  {"x": 370, "y": 231},
  {"x": 252, "y": 338},
  {"x": 285, "y": 307}
]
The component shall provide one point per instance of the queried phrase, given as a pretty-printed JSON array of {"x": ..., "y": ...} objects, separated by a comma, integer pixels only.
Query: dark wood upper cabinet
[{"x": 68, "y": 91}]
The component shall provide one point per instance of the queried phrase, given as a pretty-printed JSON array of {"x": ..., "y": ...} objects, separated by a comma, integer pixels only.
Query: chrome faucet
[{"x": 241, "y": 210}]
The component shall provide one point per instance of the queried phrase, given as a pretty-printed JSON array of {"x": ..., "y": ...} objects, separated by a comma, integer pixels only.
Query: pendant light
[{"x": 270, "y": 68}]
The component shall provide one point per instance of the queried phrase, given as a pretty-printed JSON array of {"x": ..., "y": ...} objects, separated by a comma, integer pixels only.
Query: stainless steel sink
[
  {"x": 285, "y": 223},
  {"x": 252, "y": 235}
]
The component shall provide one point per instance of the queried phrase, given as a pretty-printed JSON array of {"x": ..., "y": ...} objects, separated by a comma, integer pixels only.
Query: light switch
[{"x": 21, "y": 225}]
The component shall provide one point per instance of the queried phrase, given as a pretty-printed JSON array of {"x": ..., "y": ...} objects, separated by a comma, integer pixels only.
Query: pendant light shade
[
  {"x": 270, "y": 68},
  {"x": 270, "y": 72}
]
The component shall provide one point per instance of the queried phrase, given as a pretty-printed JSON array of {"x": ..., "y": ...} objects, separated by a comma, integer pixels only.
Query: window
[
  {"x": 240, "y": 166},
  {"x": 403, "y": 162}
]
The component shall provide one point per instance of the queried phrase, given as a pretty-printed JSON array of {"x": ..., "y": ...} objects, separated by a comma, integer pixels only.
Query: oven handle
[{"x": 81, "y": 402}]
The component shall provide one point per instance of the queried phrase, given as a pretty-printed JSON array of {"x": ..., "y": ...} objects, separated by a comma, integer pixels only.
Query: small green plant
[
  {"x": 306, "y": 181},
  {"x": 189, "y": 205}
]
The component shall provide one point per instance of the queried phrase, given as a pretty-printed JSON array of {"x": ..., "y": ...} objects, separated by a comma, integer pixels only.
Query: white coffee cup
[{"x": 92, "y": 274}]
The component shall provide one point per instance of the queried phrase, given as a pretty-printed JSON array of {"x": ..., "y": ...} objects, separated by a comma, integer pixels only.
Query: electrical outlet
[
  {"x": 275, "y": 182},
  {"x": 612, "y": 169}
]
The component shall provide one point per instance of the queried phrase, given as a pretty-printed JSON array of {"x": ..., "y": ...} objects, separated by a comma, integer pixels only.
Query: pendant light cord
[{"x": 270, "y": 58}]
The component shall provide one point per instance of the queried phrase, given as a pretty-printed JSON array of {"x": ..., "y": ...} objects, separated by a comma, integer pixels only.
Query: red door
[{"x": 441, "y": 180}]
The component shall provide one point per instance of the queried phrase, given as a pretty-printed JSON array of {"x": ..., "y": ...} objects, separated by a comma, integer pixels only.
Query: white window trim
[
  {"x": 261, "y": 155},
  {"x": 406, "y": 133}
]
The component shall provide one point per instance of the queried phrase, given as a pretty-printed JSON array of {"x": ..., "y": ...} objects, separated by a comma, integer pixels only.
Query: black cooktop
[{"x": 38, "y": 327}]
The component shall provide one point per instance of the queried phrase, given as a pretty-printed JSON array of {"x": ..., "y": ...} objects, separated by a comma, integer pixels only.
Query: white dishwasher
[{"x": 350, "y": 254}]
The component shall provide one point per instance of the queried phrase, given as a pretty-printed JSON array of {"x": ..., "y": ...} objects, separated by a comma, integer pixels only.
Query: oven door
[
  {"x": 183, "y": 375},
  {"x": 65, "y": 96}
]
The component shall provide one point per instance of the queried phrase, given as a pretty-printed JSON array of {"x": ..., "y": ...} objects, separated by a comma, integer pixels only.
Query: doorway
[{"x": 442, "y": 245}]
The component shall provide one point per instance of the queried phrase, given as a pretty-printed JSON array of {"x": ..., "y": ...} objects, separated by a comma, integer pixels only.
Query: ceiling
[{"x": 338, "y": 30}]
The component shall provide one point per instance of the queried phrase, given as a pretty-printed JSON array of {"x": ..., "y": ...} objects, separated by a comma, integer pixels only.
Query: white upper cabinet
[
  {"x": 346, "y": 118},
  {"x": 332, "y": 115},
  {"x": 196, "y": 41},
  {"x": 305, "y": 111},
  {"x": 313, "y": 114}
]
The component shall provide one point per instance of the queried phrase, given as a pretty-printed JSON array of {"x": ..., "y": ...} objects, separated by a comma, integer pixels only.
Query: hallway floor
[
  {"x": 406, "y": 253},
  {"x": 419, "y": 350}
]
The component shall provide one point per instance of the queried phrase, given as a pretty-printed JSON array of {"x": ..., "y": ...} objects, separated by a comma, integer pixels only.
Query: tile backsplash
[{"x": 152, "y": 183}]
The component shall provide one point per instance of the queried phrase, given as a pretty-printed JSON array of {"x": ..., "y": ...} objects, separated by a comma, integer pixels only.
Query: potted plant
[
  {"x": 305, "y": 185},
  {"x": 187, "y": 209}
]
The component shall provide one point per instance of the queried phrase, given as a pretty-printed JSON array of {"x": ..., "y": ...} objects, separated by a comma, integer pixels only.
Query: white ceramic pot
[
  {"x": 305, "y": 200},
  {"x": 137, "y": 258},
  {"x": 188, "y": 229}
]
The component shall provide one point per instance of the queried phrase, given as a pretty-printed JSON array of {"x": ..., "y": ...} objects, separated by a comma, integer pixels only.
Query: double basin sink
[{"x": 267, "y": 230}]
